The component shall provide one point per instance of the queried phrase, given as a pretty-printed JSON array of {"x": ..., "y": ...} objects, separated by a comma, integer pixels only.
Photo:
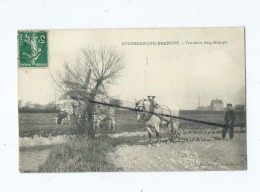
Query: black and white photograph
[
  {"x": 132, "y": 100},
  {"x": 127, "y": 95}
]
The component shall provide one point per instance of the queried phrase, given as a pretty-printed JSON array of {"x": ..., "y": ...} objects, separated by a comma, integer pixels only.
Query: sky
[{"x": 176, "y": 74}]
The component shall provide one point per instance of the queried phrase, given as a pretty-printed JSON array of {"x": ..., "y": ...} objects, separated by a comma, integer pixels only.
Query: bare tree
[
  {"x": 94, "y": 70},
  {"x": 28, "y": 105}
]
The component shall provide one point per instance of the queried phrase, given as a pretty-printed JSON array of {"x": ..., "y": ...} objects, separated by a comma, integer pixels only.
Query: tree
[
  {"x": 92, "y": 73},
  {"x": 36, "y": 106},
  {"x": 50, "y": 106},
  {"x": 20, "y": 103},
  {"x": 28, "y": 105}
]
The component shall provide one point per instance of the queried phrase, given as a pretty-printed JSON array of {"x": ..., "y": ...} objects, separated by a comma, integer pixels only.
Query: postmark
[{"x": 32, "y": 48}]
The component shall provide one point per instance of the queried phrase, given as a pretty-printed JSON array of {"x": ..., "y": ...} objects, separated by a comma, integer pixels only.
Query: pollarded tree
[{"x": 94, "y": 70}]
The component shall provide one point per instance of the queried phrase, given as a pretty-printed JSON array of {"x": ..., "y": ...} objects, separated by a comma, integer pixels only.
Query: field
[
  {"x": 210, "y": 116},
  {"x": 183, "y": 156},
  {"x": 60, "y": 150},
  {"x": 43, "y": 124}
]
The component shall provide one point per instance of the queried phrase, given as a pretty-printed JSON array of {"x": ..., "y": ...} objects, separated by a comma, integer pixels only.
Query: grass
[
  {"x": 84, "y": 155},
  {"x": 43, "y": 124},
  {"x": 80, "y": 155}
]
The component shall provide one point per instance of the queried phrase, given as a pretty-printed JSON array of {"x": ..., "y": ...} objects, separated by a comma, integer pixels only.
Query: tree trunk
[
  {"x": 90, "y": 111},
  {"x": 81, "y": 120}
]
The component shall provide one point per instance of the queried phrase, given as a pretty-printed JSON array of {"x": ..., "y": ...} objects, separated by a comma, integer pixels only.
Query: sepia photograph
[{"x": 132, "y": 100}]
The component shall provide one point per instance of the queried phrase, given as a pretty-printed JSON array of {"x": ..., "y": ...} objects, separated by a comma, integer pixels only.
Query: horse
[
  {"x": 104, "y": 115},
  {"x": 69, "y": 105},
  {"x": 63, "y": 116},
  {"x": 155, "y": 121},
  {"x": 67, "y": 110}
]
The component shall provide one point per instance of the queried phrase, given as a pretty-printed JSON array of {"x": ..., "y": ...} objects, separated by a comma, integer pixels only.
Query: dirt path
[
  {"x": 30, "y": 160},
  {"x": 182, "y": 156}
]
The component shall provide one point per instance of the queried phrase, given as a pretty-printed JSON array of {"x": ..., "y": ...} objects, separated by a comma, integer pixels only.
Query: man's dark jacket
[{"x": 230, "y": 115}]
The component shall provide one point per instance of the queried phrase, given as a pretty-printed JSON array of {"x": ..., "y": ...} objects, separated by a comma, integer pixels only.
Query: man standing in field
[{"x": 230, "y": 118}]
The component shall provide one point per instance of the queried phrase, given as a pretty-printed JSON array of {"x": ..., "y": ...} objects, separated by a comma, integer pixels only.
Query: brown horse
[{"x": 156, "y": 120}]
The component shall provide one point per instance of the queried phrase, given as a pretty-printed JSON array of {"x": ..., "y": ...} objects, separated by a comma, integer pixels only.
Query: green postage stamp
[{"x": 32, "y": 48}]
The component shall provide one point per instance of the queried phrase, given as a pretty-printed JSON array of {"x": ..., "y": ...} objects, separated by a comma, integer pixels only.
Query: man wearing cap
[{"x": 230, "y": 118}]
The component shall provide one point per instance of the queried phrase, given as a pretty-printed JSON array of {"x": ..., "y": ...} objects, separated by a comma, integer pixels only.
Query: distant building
[{"x": 216, "y": 105}]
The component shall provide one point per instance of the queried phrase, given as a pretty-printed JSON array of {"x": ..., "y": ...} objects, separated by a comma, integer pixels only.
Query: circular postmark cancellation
[{"x": 32, "y": 48}]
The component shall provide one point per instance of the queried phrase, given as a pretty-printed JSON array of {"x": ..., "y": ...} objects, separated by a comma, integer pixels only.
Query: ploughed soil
[{"x": 182, "y": 156}]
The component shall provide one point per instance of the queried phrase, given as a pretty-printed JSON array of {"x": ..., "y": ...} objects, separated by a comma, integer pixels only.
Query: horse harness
[{"x": 146, "y": 115}]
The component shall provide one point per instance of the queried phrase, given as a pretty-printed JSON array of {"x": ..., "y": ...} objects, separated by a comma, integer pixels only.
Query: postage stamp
[
  {"x": 132, "y": 100},
  {"x": 33, "y": 48}
]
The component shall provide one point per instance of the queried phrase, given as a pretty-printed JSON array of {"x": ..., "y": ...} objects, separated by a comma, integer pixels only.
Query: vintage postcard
[{"x": 132, "y": 100}]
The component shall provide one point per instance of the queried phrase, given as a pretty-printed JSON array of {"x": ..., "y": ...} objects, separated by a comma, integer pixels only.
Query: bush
[{"x": 80, "y": 155}]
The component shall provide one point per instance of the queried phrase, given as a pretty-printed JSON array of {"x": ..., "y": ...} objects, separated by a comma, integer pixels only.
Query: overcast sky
[{"x": 175, "y": 74}]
